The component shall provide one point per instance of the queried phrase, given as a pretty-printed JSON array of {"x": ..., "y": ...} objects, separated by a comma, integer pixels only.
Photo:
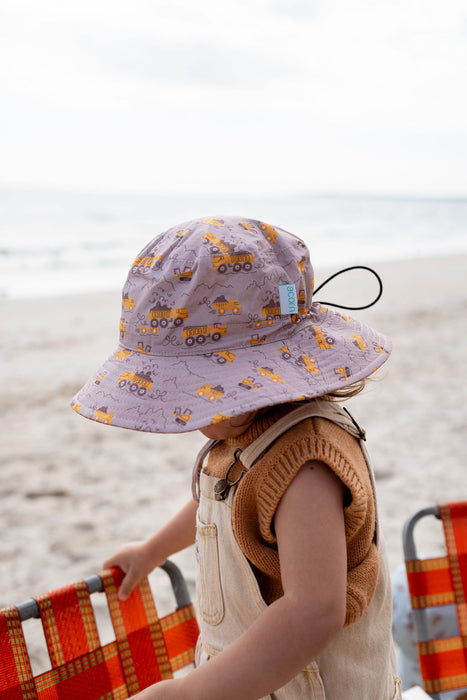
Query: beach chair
[
  {"x": 434, "y": 583},
  {"x": 146, "y": 648}
]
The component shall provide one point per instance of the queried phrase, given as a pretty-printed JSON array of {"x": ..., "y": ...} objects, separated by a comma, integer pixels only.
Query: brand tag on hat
[{"x": 288, "y": 299}]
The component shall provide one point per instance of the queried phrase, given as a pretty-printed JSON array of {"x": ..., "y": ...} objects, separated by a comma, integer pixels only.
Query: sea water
[{"x": 54, "y": 243}]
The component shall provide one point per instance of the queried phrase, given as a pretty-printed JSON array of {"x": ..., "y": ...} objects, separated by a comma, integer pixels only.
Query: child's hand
[{"x": 136, "y": 561}]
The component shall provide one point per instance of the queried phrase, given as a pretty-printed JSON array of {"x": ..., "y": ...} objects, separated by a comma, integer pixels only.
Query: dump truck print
[
  {"x": 242, "y": 260},
  {"x": 199, "y": 334},
  {"x": 271, "y": 311},
  {"x": 146, "y": 263},
  {"x": 249, "y": 383},
  {"x": 268, "y": 372},
  {"x": 184, "y": 275},
  {"x": 136, "y": 383},
  {"x": 212, "y": 392},
  {"x": 221, "y": 304},
  {"x": 161, "y": 315},
  {"x": 322, "y": 341},
  {"x": 359, "y": 342},
  {"x": 271, "y": 232},
  {"x": 122, "y": 354},
  {"x": 128, "y": 302},
  {"x": 103, "y": 415},
  {"x": 214, "y": 244},
  {"x": 182, "y": 417}
]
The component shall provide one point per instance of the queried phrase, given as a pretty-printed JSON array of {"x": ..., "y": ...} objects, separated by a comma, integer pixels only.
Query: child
[{"x": 219, "y": 334}]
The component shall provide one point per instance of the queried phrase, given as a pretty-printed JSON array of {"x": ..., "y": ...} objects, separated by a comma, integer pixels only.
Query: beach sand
[{"x": 74, "y": 490}]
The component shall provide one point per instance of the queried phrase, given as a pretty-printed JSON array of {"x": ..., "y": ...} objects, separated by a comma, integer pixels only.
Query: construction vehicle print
[
  {"x": 212, "y": 222},
  {"x": 268, "y": 372},
  {"x": 76, "y": 407},
  {"x": 249, "y": 383},
  {"x": 301, "y": 265},
  {"x": 271, "y": 312},
  {"x": 148, "y": 329},
  {"x": 359, "y": 342},
  {"x": 122, "y": 354},
  {"x": 212, "y": 392},
  {"x": 128, "y": 302},
  {"x": 221, "y": 304},
  {"x": 379, "y": 348},
  {"x": 218, "y": 418},
  {"x": 271, "y": 232},
  {"x": 247, "y": 226},
  {"x": 303, "y": 360},
  {"x": 322, "y": 341},
  {"x": 100, "y": 378},
  {"x": 184, "y": 275},
  {"x": 257, "y": 340},
  {"x": 136, "y": 383},
  {"x": 182, "y": 417},
  {"x": 145, "y": 349},
  {"x": 102, "y": 415},
  {"x": 199, "y": 334},
  {"x": 180, "y": 234},
  {"x": 214, "y": 244},
  {"x": 146, "y": 263},
  {"x": 242, "y": 260},
  {"x": 161, "y": 315},
  {"x": 223, "y": 357},
  {"x": 122, "y": 328},
  {"x": 344, "y": 372}
]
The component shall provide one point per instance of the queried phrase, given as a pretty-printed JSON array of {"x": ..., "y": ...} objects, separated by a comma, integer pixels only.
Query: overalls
[{"x": 358, "y": 663}]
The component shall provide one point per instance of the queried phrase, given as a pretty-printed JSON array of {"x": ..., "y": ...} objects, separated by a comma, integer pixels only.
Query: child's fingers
[{"x": 129, "y": 582}]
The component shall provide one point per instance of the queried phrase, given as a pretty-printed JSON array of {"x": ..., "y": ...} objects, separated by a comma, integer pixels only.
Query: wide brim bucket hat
[{"x": 217, "y": 320}]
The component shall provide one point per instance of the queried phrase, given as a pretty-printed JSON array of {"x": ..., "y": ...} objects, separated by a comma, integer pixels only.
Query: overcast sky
[{"x": 248, "y": 97}]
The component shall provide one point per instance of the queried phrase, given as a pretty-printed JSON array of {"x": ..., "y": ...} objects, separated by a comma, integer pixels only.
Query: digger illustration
[
  {"x": 184, "y": 275},
  {"x": 302, "y": 360},
  {"x": 182, "y": 417},
  {"x": 271, "y": 231},
  {"x": 214, "y": 244}
]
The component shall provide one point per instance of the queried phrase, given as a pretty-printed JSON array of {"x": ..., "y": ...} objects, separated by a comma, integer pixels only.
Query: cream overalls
[{"x": 359, "y": 662}]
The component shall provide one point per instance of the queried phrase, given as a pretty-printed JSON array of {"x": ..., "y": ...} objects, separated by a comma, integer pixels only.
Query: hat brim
[{"x": 176, "y": 394}]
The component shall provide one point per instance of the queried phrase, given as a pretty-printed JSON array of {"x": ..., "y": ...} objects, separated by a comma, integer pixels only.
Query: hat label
[{"x": 288, "y": 299}]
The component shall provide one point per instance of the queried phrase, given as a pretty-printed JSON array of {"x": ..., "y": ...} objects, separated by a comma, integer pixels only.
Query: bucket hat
[{"x": 217, "y": 320}]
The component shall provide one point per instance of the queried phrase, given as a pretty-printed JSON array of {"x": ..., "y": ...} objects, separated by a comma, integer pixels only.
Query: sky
[{"x": 252, "y": 97}]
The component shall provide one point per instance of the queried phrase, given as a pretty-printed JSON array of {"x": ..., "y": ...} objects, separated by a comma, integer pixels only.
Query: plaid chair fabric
[
  {"x": 146, "y": 649},
  {"x": 435, "y": 582}
]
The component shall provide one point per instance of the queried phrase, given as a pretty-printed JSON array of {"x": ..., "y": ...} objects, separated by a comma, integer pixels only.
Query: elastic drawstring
[{"x": 347, "y": 269}]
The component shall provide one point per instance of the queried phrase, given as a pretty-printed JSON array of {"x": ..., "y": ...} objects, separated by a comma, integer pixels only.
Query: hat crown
[{"x": 214, "y": 283}]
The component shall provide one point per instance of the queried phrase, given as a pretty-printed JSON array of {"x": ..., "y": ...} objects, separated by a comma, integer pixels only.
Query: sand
[{"x": 74, "y": 490}]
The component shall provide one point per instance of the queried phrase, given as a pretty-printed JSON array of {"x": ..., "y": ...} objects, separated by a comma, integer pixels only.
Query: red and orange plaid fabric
[
  {"x": 443, "y": 581},
  {"x": 146, "y": 649}
]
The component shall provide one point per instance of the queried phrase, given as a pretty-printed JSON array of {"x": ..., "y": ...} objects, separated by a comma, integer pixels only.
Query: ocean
[{"x": 55, "y": 243}]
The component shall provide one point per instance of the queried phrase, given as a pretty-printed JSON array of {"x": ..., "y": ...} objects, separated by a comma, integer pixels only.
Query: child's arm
[
  {"x": 295, "y": 629},
  {"x": 138, "y": 559}
]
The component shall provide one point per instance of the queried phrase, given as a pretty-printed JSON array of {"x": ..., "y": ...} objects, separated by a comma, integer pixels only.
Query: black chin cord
[{"x": 351, "y": 308}]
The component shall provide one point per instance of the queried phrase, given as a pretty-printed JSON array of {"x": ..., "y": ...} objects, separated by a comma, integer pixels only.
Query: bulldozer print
[
  {"x": 128, "y": 302},
  {"x": 214, "y": 244},
  {"x": 359, "y": 342},
  {"x": 241, "y": 260},
  {"x": 103, "y": 415},
  {"x": 122, "y": 354},
  {"x": 249, "y": 383},
  {"x": 221, "y": 304},
  {"x": 182, "y": 417},
  {"x": 268, "y": 372},
  {"x": 322, "y": 341},
  {"x": 199, "y": 334},
  {"x": 257, "y": 339},
  {"x": 302, "y": 360},
  {"x": 138, "y": 384},
  {"x": 271, "y": 232},
  {"x": 212, "y": 392},
  {"x": 146, "y": 263},
  {"x": 161, "y": 315}
]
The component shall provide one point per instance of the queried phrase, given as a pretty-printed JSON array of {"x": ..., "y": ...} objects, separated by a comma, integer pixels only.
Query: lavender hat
[{"x": 218, "y": 319}]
